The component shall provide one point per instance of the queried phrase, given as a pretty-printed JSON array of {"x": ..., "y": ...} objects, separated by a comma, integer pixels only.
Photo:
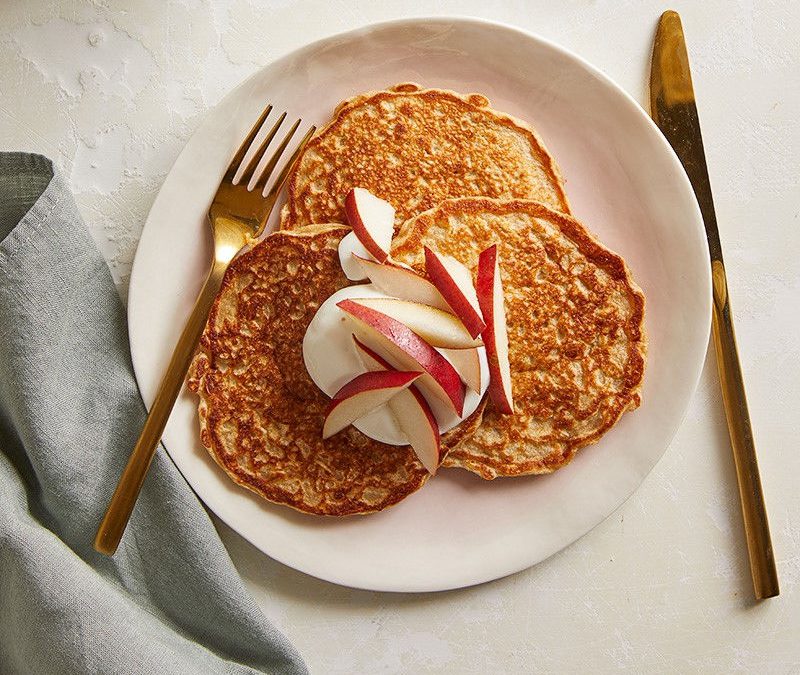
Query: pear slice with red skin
[
  {"x": 370, "y": 358},
  {"x": 468, "y": 365},
  {"x": 454, "y": 281},
  {"x": 417, "y": 422},
  {"x": 350, "y": 251},
  {"x": 495, "y": 337},
  {"x": 438, "y": 328},
  {"x": 372, "y": 220},
  {"x": 412, "y": 412},
  {"x": 401, "y": 282},
  {"x": 362, "y": 395},
  {"x": 406, "y": 350}
]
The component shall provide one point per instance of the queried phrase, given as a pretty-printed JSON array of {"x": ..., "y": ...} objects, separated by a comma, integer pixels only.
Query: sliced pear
[
  {"x": 436, "y": 327},
  {"x": 490, "y": 296},
  {"x": 412, "y": 412},
  {"x": 363, "y": 394},
  {"x": 372, "y": 219},
  {"x": 401, "y": 282},
  {"x": 454, "y": 281},
  {"x": 468, "y": 365},
  {"x": 405, "y": 350}
]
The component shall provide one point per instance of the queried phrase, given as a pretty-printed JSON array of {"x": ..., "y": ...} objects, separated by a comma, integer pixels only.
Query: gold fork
[{"x": 238, "y": 216}]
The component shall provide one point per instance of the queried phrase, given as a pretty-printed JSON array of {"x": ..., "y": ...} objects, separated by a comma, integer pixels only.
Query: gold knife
[{"x": 673, "y": 109}]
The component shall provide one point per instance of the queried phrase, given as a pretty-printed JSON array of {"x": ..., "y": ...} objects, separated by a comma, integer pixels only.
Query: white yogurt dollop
[{"x": 332, "y": 360}]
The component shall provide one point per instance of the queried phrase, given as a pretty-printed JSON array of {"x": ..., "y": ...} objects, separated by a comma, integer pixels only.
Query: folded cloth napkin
[{"x": 170, "y": 600}]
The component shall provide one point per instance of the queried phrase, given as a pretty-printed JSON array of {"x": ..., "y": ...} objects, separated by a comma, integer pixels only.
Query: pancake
[
  {"x": 575, "y": 325},
  {"x": 261, "y": 416},
  {"x": 415, "y": 147}
]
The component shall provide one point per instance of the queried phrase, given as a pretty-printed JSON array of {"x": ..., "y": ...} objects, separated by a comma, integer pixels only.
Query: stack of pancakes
[{"x": 461, "y": 177}]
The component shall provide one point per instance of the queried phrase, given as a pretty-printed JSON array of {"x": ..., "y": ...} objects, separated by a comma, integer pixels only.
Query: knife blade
[{"x": 673, "y": 109}]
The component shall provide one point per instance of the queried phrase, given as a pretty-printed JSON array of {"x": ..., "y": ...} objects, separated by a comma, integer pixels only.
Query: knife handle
[{"x": 754, "y": 512}]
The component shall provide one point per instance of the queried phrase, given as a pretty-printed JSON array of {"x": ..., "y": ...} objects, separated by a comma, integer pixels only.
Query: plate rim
[{"x": 411, "y": 22}]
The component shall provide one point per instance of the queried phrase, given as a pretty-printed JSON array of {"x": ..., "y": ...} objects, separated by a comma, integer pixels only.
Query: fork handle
[{"x": 130, "y": 483}]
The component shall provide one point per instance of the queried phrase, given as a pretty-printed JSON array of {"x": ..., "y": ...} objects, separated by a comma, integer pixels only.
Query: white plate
[{"x": 622, "y": 179}]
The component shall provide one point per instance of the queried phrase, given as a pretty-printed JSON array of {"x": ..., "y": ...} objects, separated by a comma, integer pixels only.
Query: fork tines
[{"x": 257, "y": 170}]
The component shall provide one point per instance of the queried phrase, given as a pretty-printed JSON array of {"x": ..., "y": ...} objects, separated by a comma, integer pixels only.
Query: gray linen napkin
[{"x": 170, "y": 600}]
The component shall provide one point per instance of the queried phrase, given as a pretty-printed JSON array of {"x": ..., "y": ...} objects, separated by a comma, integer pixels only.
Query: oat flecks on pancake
[
  {"x": 575, "y": 326},
  {"x": 415, "y": 147},
  {"x": 261, "y": 415}
]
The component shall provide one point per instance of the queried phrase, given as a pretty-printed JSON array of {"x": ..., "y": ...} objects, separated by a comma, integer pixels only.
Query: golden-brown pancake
[
  {"x": 415, "y": 147},
  {"x": 575, "y": 325},
  {"x": 261, "y": 416}
]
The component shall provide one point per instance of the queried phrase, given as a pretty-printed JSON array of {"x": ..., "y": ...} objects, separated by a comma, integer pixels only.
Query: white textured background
[{"x": 111, "y": 90}]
